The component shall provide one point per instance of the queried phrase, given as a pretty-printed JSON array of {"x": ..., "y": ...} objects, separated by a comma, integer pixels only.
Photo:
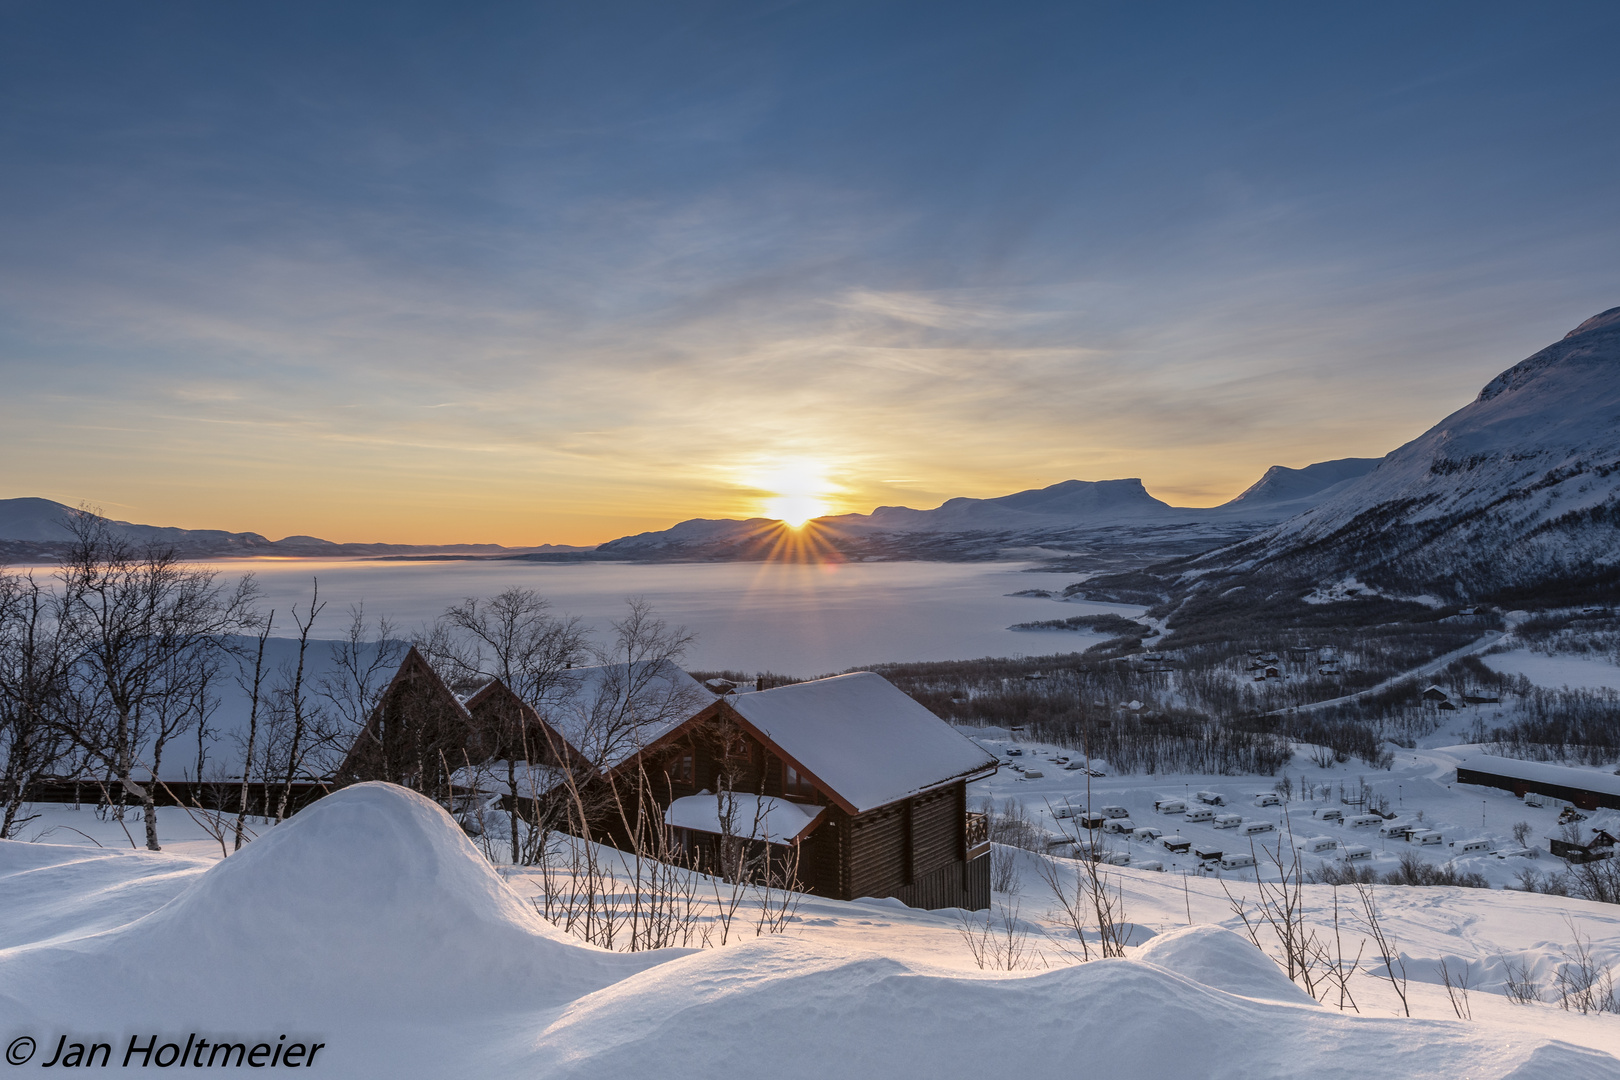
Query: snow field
[{"x": 370, "y": 923}]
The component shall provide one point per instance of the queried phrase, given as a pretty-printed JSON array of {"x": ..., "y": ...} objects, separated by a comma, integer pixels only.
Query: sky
[{"x": 530, "y": 273}]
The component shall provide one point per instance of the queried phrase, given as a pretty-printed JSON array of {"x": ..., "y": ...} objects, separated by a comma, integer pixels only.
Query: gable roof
[
  {"x": 861, "y": 738},
  {"x": 612, "y": 711}
]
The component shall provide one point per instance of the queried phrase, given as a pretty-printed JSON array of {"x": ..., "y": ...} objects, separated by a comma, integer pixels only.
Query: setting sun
[{"x": 798, "y": 492}]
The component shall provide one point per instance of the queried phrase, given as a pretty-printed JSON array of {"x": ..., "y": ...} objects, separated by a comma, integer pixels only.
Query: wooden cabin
[
  {"x": 435, "y": 738},
  {"x": 867, "y": 785}
]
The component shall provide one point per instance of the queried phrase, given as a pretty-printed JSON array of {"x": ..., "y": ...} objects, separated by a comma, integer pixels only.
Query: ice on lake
[{"x": 791, "y": 618}]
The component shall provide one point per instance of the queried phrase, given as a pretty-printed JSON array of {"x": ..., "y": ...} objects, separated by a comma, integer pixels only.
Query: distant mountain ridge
[
  {"x": 38, "y": 528},
  {"x": 1031, "y": 518}
]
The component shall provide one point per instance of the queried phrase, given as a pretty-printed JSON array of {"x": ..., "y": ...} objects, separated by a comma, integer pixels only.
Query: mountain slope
[{"x": 1516, "y": 493}]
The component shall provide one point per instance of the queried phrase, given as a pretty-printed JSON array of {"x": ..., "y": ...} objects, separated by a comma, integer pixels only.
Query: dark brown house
[{"x": 870, "y": 786}]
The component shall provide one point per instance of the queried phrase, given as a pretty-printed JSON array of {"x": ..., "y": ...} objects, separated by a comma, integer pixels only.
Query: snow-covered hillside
[
  {"x": 1519, "y": 490},
  {"x": 368, "y": 926}
]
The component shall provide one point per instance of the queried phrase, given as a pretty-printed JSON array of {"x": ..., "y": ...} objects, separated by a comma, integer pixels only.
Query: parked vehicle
[
  {"x": 1318, "y": 844},
  {"x": 1356, "y": 853},
  {"x": 1228, "y": 821},
  {"x": 1115, "y": 811},
  {"x": 1328, "y": 813},
  {"x": 1148, "y": 864},
  {"x": 1200, "y": 813},
  {"x": 1015, "y": 751},
  {"x": 1267, "y": 798},
  {"x": 1473, "y": 847},
  {"x": 1033, "y": 774},
  {"x": 1426, "y": 839},
  {"x": 1364, "y": 821},
  {"x": 1119, "y": 825},
  {"x": 1236, "y": 860},
  {"x": 1395, "y": 830},
  {"x": 1170, "y": 806},
  {"x": 1251, "y": 828},
  {"x": 1146, "y": 834}
]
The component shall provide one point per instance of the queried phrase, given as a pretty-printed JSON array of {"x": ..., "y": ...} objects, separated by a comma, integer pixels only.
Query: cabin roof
[
  {"x": 756, "y": 817},
  {"x": 611, "y": 711},
  {"x": 863, "y": 737}
]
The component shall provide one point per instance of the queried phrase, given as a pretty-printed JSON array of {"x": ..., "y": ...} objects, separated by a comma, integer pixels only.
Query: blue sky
[{"x": 529, "y": 273}]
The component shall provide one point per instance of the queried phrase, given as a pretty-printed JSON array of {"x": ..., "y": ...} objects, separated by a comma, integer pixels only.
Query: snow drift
[{"x": 370, "y": 921}]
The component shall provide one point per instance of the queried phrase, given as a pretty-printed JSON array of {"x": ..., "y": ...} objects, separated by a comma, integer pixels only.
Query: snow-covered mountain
[
  {"x": 34, "y": 528},
  {"x": 1517, "y": 492},
  {"x": 965, "y": 527}
]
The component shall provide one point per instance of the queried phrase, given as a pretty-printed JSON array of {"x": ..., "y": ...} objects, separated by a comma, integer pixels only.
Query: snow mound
[
  {"x": 371, "y": 897},
  {"x": 795, "y": 1010},
  {"x": 1217, "y": 957}
]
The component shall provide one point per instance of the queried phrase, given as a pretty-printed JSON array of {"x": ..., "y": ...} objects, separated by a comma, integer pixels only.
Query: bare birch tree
[
  {"x": 34, "y": 662},
  {"x": 141, "y": 619}
]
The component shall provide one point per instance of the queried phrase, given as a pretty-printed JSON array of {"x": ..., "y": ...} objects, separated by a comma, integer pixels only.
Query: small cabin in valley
[{"x": 868, "y": 784}]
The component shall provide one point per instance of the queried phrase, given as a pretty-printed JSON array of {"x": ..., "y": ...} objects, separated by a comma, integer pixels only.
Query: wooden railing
[{"x": 978, "y": 834}]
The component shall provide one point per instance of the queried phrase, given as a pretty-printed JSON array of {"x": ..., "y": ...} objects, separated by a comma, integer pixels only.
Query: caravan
[{"x": 1236, "y": 860}]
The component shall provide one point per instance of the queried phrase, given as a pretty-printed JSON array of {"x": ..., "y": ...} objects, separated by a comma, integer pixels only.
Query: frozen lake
[{"x": 789, "y": 618}]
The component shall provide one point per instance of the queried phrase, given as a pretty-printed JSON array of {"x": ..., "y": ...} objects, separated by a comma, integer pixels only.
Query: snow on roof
[
  {"x": 863, "y": 737},
  {"x": 1543, "y": 773},
  {"x": 1604, "y": 823},
  {"x": 610, "y": 712},
  {"x": 753, "y": 816},
  {"x": 532, "y": 779}
]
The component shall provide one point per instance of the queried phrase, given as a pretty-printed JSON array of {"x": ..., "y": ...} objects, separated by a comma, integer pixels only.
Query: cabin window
[
  {"x": 794, "y": 782},
  {"x": 682, "y": 769}
]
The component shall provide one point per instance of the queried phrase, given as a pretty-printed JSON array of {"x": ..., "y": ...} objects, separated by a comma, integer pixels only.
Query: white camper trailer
[
  {"x": 1252, "y": 828},
  {"x": 1170, "y": 806},
  {"x": 1328, "y": 813},
  {"x": 1236, "y": 860},
  {"x": 1201, "y": 813},
  {"x": 1228, "y": 821},
  {"x": 1317, "y": 844},
  {"x": 1357, "y": 853}
]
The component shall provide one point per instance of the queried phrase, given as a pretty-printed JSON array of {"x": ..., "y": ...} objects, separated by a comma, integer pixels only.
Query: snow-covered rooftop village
[{"x": 884, "y": 541}]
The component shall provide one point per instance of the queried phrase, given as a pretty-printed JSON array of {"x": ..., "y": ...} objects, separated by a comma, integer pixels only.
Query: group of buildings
[{"x": 850, "y": 781}]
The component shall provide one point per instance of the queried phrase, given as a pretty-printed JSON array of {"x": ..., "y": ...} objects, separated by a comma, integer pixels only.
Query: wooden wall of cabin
[{"x": 896, "y": 847}]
